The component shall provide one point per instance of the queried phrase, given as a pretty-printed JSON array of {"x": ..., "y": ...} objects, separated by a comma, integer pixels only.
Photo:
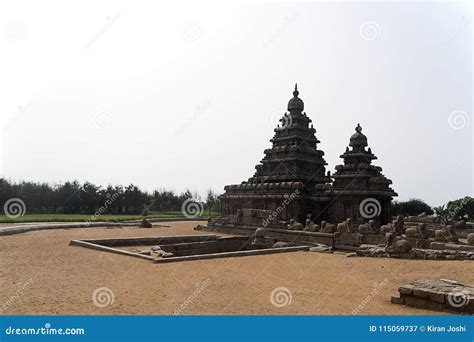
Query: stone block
[
  {"x": 406, "y": 289},
  {"x": 416, "y": 302},
  {"x": 437, "y": 297},
  {"x": 397, "y": 300}
]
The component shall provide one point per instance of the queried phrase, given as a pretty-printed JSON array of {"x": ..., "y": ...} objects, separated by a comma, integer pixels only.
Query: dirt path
[{"x": 41, "y": 274}]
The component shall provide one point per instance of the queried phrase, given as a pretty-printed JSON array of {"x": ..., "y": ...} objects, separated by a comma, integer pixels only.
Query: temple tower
[
  {"x": 293, "y": 164},
  {"x": 360, "y": 190}
]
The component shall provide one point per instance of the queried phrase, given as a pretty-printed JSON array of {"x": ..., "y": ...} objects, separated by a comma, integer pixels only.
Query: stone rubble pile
[{"x": 415, "y": 253}]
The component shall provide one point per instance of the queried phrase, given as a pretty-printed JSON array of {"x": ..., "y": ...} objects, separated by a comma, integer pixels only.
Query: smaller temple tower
[{"x": 360, "y": 190}]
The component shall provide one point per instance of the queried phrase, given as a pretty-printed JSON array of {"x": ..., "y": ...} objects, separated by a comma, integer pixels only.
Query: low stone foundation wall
[
  {"x": 357, "y": 239},
  {"x": 416, "y": 253},
  {"x": 451, "y": 246},
  {"x": 93, "y": 224},
  {"x": 219, "y": 245},
  {"x": 292, "y": 236},
  {"x": 442, "y": 294},
  {"x": 233, "y": 254}
]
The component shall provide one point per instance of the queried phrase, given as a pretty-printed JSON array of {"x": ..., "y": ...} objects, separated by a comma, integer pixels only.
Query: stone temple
[{"x": 292, "y": 179}]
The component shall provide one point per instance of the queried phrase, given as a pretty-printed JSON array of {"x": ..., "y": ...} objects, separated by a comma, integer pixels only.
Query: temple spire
[
  {"x": 296, "y": 92},
  {"x": 295, "y": 102}
]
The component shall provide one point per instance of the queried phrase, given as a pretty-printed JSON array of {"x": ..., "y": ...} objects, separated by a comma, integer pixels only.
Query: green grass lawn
[{"x": 87, "y": 217}]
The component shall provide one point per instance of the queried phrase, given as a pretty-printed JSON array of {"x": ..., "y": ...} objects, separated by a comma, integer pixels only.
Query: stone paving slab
[
  {"x": 441, "y": 295},
  {"x": 28, "y": 227}
]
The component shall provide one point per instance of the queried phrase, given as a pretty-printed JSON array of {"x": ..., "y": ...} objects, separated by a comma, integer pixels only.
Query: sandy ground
[{"x": 41, "y": 274}]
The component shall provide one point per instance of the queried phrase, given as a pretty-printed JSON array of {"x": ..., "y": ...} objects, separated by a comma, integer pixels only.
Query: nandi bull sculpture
[{"x": 396, "y": 244}]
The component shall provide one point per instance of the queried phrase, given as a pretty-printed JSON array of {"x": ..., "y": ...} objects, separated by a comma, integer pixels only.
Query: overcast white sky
[{"x": 186, "y": 95}]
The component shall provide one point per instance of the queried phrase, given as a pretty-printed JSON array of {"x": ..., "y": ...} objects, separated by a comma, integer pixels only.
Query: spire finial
[
  {"x": 296, "y": 92},
  {"x": 358, "y": 128}
]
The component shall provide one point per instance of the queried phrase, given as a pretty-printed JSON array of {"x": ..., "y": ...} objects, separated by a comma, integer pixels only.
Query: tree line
[
  {"x": 76, "y": 198},
  {"x": 462, "y": 208}
]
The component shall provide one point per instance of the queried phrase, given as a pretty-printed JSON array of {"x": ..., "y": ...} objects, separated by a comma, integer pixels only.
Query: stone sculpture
[
  {"x": 367, "y": 228},
  {"x": 396, "y": 244},
  {"x": 470, "y": 239},
  {"x": 281, "y": 244},
  {"x": 345, "y": 227},
  {"x": 145, "y": 223},
  {"x": 311, "y": 226},
  {"x": 157, "y": 251},
  {"x": 399, "y": 225},
  {"x": 327, "y": 227},
  {"x": 259, "y": 240},
  {"x": 386, "y": 228},
  {"x": 295, "y": 225},
  {"x": 420, "y": 231}
]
